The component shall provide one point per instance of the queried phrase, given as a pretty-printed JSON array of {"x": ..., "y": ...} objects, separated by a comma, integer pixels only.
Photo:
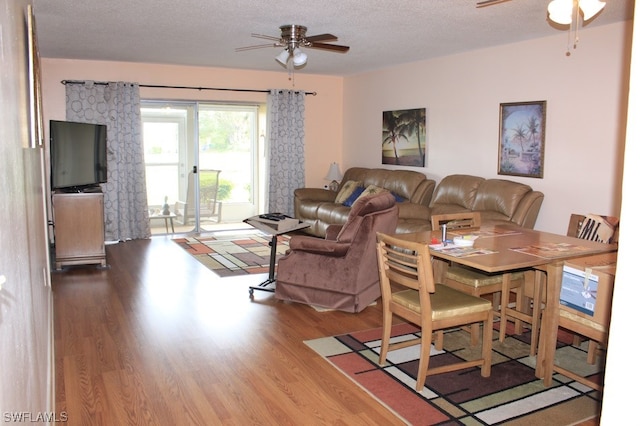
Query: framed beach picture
[
  {"x": 404, "y": 137},
  {"x": 521, "y": 140}
]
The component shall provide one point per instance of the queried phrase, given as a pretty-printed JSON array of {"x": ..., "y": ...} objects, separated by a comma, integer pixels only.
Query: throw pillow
[
  {"x": 596, "y": 228},
  {"x": 354, "y": 196},
  {"x": 347, "y": 190},
  {"x": 370, "y": 190},
  {"x": 398, "y": 198}
]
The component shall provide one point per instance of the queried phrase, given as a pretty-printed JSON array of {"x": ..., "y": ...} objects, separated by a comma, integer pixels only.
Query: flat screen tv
[{"x": 78, "y": 155}]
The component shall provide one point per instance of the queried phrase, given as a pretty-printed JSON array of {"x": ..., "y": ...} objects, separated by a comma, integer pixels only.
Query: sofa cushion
[
  {"x": 455, "y": 193},
  {"x": 499, "y": 196},
  {"x": 332, "y": 213},
  {"x": 346, "y": 190}
]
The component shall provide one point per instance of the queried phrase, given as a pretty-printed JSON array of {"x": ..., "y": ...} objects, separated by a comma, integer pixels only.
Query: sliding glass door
[{"x": 203, "y": 163}]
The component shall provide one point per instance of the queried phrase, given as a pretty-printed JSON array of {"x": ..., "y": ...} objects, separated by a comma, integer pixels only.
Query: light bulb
[
  {"x": 590, "y": 8},
  {"x": 299, "y": 57},
  {"x": 283, "y": 57},
  {"x": 560, "y": 11}
]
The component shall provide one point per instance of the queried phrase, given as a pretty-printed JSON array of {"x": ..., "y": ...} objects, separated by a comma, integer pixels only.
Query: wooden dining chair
[
  {"x": 594, "y": 323},
  {"x": 479, "y": 283},
  {"x": 593, "y": 227},
  {"x": 410, "y": 292}
]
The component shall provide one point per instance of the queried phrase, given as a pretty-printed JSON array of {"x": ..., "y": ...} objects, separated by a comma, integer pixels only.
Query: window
[{"x": 179, "y": 136}]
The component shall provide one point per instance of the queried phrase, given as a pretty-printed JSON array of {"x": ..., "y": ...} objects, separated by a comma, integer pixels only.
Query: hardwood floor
[{"x": 157, "y": 339}]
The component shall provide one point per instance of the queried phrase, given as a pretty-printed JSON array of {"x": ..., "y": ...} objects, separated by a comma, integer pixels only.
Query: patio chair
[{"x": 210, "y": 206}]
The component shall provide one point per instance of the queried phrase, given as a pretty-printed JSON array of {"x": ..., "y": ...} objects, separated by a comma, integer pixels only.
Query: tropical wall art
[
  {"x": 521, "y": 141},
  {"x": 404, "y": 137}
]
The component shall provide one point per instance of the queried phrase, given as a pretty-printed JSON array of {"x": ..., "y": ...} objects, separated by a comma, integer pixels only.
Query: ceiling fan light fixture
[
  {"x": 560, "y": 11},
  {"x": 299, "y": 57},
  {"x": 283, "y": 57},
  {"x": 590, "y": 8}
]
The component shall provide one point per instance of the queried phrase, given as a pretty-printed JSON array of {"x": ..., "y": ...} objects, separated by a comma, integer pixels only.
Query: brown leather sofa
[
  {"x": 497, "y": 200},
  {"x": 318, "y": 207}
]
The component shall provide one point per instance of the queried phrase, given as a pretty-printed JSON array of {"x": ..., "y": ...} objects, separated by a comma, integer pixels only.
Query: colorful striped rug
[
  {"x": 234, "y": 254},
  {"x": 512, "y": 395}
]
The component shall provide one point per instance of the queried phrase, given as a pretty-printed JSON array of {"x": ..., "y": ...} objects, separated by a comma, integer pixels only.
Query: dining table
[{"x": 505, "y": 248}]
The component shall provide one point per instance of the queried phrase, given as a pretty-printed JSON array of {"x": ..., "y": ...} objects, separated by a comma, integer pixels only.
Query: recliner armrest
[
  {"x": 332, "y": 232},
  {"x": 318, "y": 246}
]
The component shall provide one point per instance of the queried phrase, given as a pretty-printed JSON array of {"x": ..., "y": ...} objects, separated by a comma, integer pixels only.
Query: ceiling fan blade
[
  {"x": 322, "y": 37},
  {"x": 257, "y": 46},
  {"x": 486, "y": 3},
  {"x": 265, "y": 37},
  {"x": 333, "y": 47}
]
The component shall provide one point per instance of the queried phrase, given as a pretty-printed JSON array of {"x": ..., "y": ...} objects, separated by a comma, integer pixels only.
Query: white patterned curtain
[
  {"x": 285, "y": 130},
  {"x": 117, "y": 105}
]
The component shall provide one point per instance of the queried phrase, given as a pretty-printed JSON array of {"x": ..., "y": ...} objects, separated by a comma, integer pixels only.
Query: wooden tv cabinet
[{"x": 79, "y": 228}]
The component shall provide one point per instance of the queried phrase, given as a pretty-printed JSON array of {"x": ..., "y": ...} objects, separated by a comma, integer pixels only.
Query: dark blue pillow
[
  {"x": 398, "y": 198},
  {"x": 354, "y": 195}
]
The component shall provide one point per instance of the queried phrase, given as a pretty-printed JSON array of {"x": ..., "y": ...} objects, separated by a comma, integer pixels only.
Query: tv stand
[
  {"x": 80, "y": 189},
  {"x": 79, "y": 228}
]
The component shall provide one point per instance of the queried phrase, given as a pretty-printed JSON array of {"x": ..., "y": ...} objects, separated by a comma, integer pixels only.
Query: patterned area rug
[
  {"x": 234, "y": 254},
  {"x": 512, "y": 395}
]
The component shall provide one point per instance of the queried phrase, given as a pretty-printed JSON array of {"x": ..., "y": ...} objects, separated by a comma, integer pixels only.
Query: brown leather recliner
[{"x": 340, "y": 271}]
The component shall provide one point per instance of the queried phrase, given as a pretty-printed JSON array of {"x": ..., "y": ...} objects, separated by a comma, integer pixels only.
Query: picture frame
[
  {"x": 36, "y": 121},
  {"x": 522, "y": 139},
  {"x": 404, "y": 137}
]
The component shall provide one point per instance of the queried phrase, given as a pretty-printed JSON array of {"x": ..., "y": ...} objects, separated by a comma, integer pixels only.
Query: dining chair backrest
[
  {"x": 456, "y": 220},
  {"x": 594, "y": 227},
  {"x": 405, "y": 263}
]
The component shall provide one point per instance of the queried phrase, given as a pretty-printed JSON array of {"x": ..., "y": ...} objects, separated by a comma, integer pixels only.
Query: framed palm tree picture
[
  {"x": 521, "y": 140},
  {"x": 404, "y": 137}
]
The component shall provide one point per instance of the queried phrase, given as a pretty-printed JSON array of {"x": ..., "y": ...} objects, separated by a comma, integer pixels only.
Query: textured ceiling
[{"x": 381, "y": 33}]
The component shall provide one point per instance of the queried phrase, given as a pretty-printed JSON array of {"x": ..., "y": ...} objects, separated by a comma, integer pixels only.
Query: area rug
[
  {"x": 512, "y": 395},
  {"x": 233, "y": 254}
]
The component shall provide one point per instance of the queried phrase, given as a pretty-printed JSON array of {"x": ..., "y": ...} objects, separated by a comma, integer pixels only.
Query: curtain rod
[{"x": 154, "y": 86}]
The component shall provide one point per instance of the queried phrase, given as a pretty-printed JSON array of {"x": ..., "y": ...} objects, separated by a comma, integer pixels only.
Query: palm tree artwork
[
  {"x": 404, "y": 137},
  {"x": 521, "y": 139}
]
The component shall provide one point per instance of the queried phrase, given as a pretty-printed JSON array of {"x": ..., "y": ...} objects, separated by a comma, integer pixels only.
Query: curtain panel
[
  {"x": 285, "y": 130},
  {"x": 117, "y": 104}
]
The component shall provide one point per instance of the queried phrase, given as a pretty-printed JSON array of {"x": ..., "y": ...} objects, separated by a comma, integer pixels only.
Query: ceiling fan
[
  {"x": 486, "y": 3},
  {"x": 292, "y": 38}
]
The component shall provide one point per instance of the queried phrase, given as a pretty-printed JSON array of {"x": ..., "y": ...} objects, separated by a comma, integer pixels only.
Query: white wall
[{"x": 586, "y": 111}]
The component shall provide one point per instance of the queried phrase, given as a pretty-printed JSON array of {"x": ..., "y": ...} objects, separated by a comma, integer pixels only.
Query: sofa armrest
[
  {"x": 527, "y": 212},
  {"x": 302, "y": 243},
  {"x": 315, "y": 194}
]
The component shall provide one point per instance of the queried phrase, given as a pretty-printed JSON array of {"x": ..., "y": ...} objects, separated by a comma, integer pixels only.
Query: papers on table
[
  {"x": 551, "y": 250},
  {"x": 459, "y": 251}
]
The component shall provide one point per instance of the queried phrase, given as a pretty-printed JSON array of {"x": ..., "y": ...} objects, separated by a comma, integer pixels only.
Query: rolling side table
[{"x": 273, "y": 228}]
